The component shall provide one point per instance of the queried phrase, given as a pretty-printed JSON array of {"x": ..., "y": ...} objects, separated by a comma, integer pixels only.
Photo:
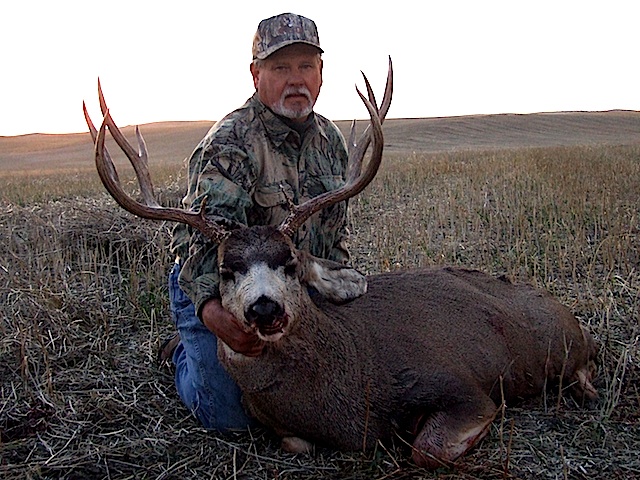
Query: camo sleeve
[{"x": 225, "y": 175}]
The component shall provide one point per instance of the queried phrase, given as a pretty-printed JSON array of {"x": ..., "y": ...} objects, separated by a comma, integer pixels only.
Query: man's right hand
[{"x": 225, "y": 326}]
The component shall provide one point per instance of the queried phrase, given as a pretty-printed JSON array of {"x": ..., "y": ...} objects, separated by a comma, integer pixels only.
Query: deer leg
[
  {"x": 582, "y": 388},
  {"x": 450, "y": 433}
]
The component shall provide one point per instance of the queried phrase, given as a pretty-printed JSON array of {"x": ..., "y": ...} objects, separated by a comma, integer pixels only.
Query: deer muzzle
[{"x": 267, "y": 315}]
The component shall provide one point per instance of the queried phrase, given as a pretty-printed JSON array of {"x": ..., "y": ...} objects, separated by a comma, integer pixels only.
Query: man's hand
[{"x": 225, "y": 326}]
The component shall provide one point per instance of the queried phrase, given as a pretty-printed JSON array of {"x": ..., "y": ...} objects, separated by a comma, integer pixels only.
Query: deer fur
[{"x": 430, "y": 354}]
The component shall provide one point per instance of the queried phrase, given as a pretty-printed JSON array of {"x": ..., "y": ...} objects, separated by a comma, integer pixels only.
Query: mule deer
[{"x": 429, "y": 353}]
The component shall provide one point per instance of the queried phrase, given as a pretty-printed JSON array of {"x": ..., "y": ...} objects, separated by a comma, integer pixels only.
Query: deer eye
[
  {"x": 291, "y": 267},
  {"x": 227, "y": 274}
]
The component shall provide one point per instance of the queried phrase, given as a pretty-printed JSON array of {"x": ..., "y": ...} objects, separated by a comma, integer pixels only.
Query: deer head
[{"x": 264, "y": 278}]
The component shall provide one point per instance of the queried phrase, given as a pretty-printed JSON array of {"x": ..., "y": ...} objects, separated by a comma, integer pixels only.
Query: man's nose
[{"x": 296, "y": 78}]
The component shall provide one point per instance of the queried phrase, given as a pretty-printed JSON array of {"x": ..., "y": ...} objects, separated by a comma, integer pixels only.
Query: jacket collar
[{"x": 276, "y": 127}]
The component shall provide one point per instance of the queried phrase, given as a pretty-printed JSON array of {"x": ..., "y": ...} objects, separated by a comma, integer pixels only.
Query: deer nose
[{"x": 263, "y": 311}]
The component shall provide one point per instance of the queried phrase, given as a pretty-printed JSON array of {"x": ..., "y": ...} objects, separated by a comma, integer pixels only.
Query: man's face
[{"x": 289, "y": 80}]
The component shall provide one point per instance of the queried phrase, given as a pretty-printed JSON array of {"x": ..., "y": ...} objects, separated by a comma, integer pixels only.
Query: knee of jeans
[
  {"x": 219, "y": 419},
  {"x": 193, "y": 399},
  {"x": 215, "y": 407}
]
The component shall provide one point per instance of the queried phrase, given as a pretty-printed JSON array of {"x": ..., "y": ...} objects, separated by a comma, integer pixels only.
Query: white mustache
[
  {"x": 305, "y": 110},
  {"x": 296, "y": 91}
]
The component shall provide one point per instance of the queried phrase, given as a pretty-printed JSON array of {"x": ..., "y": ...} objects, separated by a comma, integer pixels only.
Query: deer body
[{"x": 429, "y": 354}]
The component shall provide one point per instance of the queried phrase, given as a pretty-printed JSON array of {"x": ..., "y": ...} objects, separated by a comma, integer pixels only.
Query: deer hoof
[{"x": 296, "y": 445}]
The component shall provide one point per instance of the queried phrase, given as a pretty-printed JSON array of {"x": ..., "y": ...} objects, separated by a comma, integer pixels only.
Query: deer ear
[{"x": 334, "y": 281}]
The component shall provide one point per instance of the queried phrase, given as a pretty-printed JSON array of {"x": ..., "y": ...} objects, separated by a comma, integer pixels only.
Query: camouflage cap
[{"x": 282, "y": 30}]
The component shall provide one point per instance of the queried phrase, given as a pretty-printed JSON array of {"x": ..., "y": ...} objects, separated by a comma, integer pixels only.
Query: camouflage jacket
[{"x": 240, "y": 165}]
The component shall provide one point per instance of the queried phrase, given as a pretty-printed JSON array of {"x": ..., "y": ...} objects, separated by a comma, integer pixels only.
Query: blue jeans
[{"x": 202, "y": 383}]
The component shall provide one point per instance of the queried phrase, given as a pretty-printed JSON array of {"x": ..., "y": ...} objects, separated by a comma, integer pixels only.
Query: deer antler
[
  {"x": 356, "y": 179},
  {"x": 357, "y": 150},
  {"x": 150, "y": 209}
]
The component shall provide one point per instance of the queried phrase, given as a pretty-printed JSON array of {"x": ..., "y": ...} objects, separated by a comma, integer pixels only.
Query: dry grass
[{"x": 84, "y": 309}]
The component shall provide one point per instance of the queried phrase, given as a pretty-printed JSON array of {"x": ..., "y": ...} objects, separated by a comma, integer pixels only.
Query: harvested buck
[{"x": 427, "y": 354}]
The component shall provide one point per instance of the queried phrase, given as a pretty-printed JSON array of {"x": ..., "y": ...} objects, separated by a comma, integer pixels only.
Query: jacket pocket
[{"x": 272, "y": 195}]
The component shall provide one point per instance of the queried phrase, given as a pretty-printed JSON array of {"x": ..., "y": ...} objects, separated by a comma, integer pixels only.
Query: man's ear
[
  {"x": 334, "y": 281},
  {"x": 255, "y": 73}
]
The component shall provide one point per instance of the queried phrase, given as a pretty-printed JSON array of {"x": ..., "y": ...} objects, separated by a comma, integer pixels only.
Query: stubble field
[{"x": 549, "y": 199}]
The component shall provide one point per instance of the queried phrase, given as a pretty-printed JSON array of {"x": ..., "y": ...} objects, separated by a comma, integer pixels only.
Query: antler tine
[
  {"x": 352, "y": 136},
  {"x": 106, "y": 168},
  {"x": 103, "y": 104},
  {"x": 150, "y": 210},
  {"x": 92, "y": 128},
  {"x": 352, "y": 187},
  {"x": 388, "y": 92},
  {"x": 370, "y": 94},
  {"x": 139, "y": 160},
  {"x": 108, "y": 164},
  {"x": 358, "y": 149}
]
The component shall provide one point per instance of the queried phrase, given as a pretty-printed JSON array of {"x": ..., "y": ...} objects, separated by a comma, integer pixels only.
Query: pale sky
[{"x": 189, "y": 60}]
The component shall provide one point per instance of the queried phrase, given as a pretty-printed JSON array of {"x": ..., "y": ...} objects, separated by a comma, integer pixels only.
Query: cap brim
[{"x": 275, "y": 48}]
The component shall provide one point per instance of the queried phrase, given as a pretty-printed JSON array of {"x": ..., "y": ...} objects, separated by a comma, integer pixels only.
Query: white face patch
[
  {"x": 259, "y": 283},
  {"x": 262, "y": 281},
  {"x": 271, "y": 301}
]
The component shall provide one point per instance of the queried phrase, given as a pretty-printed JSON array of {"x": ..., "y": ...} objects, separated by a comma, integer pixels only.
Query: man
[{"x": 274, "y": 146}]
